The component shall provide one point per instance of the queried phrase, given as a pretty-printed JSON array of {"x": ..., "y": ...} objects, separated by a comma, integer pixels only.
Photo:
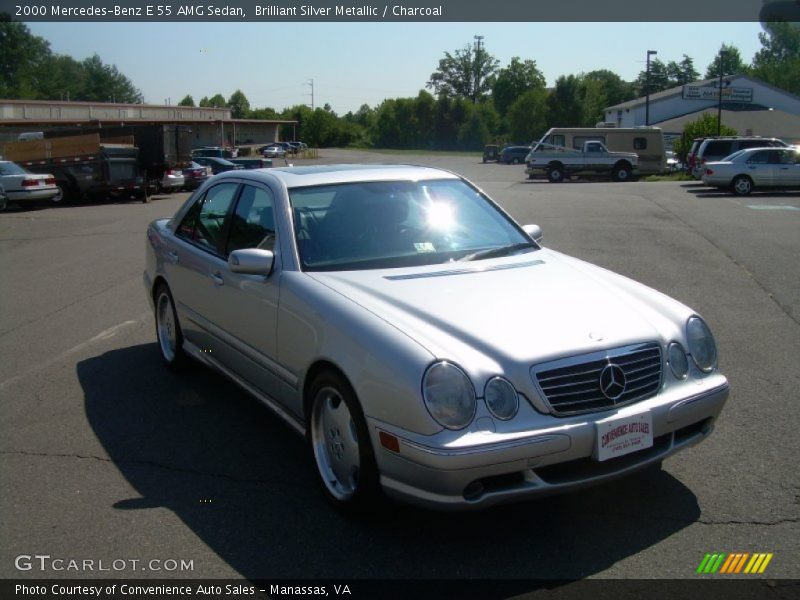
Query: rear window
[
  {"x": 718, "y": 148},
  {"x": 640, "y": 143}
]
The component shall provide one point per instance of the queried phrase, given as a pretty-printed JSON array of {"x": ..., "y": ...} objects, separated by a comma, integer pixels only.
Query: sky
[{"x": 364, "y": 63}]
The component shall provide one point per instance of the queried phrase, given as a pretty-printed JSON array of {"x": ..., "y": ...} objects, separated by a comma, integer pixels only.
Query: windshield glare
[{"x": 373, "y": 225}]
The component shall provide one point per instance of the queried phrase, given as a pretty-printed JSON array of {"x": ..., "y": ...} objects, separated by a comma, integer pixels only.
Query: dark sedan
[{"x": 514, "y": 154}]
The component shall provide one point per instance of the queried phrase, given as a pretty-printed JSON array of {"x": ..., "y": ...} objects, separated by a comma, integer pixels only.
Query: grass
[
  {"x": 424, "y": 152},
  {"x": 668, "y": 177}
]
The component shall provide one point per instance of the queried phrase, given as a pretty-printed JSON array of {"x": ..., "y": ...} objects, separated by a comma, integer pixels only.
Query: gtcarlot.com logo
[{"x": 734, "y": 563}]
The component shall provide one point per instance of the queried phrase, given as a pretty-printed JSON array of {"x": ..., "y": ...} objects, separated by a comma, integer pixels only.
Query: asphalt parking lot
[{"x": 105, "y": 455}]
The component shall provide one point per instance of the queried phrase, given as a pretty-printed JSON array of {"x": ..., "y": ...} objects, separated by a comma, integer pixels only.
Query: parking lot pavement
[{"x": 105, "y": 455}]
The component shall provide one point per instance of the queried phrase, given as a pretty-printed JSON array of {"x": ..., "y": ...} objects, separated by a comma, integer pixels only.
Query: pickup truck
[{"x": 557, "y": 162}]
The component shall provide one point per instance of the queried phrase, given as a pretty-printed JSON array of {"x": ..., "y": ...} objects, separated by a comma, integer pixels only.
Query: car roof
[{"x": 293, "y": 177}]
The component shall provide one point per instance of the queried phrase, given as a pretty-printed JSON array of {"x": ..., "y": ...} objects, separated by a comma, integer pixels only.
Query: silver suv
[{"x": 712, "y": 149}]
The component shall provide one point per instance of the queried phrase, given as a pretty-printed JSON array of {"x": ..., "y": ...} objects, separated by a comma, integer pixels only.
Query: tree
[
  {"x": 528, "y": 116},
  {"x": 216, "y": 101},
  {"x": 731, "y": 64},
  {"x": 22, "y": 55},
  {"x": 704, "y": 126},
  {"x": 513, "y": 81},
  {"x": 239, "y": 105},
  {"x": 474, "y": 133},
  {"x": 105, "y": 83},
  {"x": 187, "y": 101},
  {"x": 467, "y": 73},
  {"x": 683, "y": 72},
  {"x": 658, "y": 80},
  {"x": 564, "y": 102},
  {"x": 778, "y": 61}
]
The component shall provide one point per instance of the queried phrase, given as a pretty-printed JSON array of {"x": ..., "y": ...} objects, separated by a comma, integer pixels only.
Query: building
[
  {"x": 751, "y": 106},
  {"x": 210, "y": 126}
]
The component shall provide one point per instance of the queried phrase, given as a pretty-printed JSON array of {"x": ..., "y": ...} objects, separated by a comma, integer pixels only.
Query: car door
[
  {"x": 194, "y": 260},
  {"x": 759, "y": 168},
  {"x": 248, "y": 304},
  {"x": 787, "y": 170}
]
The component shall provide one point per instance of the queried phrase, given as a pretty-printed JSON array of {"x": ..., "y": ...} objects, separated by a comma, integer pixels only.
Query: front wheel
[
  {"x": 337, "y": 432},
  {"x": 168, "y": 330},
  {"x": 742, "y": 185},
  {"x": 555, "y": 174}
]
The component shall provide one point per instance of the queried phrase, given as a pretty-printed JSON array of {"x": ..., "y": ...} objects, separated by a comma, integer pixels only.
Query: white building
[{"x": 746, "y": 96}]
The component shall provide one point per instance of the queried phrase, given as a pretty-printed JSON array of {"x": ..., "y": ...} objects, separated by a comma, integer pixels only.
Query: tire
[
  {"x": 621, "y": 172},
  {"x": 742, "y": 185},
  {"x": 515, "y": 161},
  {"x": 340, "y": 445},
  {"x": 555, "y": 174},
  {"x": 168, "y": 330},
  {"x": 58, "y": 198}
]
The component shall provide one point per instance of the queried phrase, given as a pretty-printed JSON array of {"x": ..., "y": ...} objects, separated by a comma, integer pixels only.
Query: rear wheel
[
  {"x": 555, "y": 174},
  {"x": 59, "y": 197},
  {"x": 168, "y": 330},
  {"x": 337, "y": 432},
  {"x": 742, "y": 185},
  {"x": 515, "y": 161}
]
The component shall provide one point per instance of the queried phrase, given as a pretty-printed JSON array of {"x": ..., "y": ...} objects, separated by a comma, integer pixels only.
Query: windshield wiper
[{"x": 499, "y": 251}]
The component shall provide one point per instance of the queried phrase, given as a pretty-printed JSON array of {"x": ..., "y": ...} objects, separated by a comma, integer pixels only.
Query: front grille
[{"x": 571, "y": 386}]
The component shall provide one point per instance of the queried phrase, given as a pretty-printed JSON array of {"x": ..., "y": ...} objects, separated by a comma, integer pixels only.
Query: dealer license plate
[{"x": 618, "y": 436}]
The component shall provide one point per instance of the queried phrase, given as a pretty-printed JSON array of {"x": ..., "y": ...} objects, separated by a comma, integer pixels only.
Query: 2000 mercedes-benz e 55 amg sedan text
[{"x": 426, "y": 344}]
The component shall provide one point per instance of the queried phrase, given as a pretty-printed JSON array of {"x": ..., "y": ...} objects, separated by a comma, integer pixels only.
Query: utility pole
[
  {"x": 476, "y": 83},
  {"x": 647, "y": 89},
  {"x": 311, "y": 83},
  {"x": 722, "y": 55}
]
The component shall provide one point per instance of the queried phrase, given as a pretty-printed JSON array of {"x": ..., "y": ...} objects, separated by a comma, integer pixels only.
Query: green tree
[
  {"x": 187, "y": 101},
  {"x": 659, "y": 78},
  {"x": 513, "y": 81},
  {"x": 704, "y": 126},
  {"x": 239, "y": 105},
  {"x": 683, "y": 72},
  {"x": 22, "y": 55},
  {"x": 565, "y": 102},
  {"x": 105, "y": 83},
  {"x": 467, "y": 73},
  {"x": 474, "y": 133},
  {"x": 216, "y": 101},
  {"x": 267, "y": 114},
  {"x": 528, "y": 116},
  {"x": 732, "y": 62},
  {"x": 778, "y": 61}
]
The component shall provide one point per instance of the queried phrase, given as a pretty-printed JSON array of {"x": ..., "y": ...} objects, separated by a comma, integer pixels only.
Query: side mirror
[
  {"x": 251, "y": 261},
  {"x": 534, "y": 231}
]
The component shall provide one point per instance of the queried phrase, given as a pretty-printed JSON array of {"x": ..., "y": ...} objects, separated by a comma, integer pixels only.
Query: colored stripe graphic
[{"x": 733, "y": 563}]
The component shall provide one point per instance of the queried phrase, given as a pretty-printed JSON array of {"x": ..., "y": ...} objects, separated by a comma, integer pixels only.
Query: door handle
[
  {"x": 217, "y": 278},
  {"x": 173, "y": 257}
]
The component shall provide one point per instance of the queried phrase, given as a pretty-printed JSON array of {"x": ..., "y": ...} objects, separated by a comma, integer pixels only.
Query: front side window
[
  {"x": 204, "y": 222},
  {"x": 384, "y": 224},
  {"x": 253, "y": 221}
]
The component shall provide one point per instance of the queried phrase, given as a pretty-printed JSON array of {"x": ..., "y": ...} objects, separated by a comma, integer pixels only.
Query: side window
[
  {"x": 640, "y": 143},
  {"x": 759, "y": 158},
  {"x": 204, "y": 222},
  {"x": 253, "y": 221},
  {"x": 559, "y": 140}
]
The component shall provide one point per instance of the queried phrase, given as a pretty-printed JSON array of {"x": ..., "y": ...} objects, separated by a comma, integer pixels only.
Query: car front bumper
[{"x": 555, "y": 456}]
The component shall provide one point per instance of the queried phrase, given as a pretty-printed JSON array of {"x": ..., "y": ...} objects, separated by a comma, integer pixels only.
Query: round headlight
[
  {"x": 678, "y": 363},
  {"x": 449, "y": 395},
  {"x": 701, "y": 344},
  {"x": 501, "y": 398}
]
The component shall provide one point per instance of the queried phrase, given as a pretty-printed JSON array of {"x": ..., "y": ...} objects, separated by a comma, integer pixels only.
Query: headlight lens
[
  {"x": 701, "y": 344},
  {"x": 501, "y": 398},
  {"x": 449, "y": 395},
  {"x": 678, "y": 363}
]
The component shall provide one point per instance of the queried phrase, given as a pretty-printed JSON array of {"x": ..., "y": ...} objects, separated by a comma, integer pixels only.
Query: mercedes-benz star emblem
[{"x": 612, "y": 381}]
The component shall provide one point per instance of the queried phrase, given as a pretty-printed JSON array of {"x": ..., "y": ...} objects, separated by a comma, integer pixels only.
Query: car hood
[{"x": 523, "y": 309}]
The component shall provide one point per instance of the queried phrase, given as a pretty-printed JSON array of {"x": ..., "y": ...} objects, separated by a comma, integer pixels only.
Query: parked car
[
  {"x": 427, "y": 344},
  {"x": 218, "y": 165},
  {"x": 514, "y": 155},
  {"x": 3, "y": 198},
  {"x": 691, "y": 156},
  {"x": 274, "y": 151},
  {"x": 23, "y": 186},
  {"x": 195, "y": 175},
  {"x": 252, "y": 163},
  {"x": 215, "y": 151},
  {"x": 672, "y": 163},
  {"x": 755, "y": 168},
  {"x": 173, "y": 180},
  {"x": 491, "y": 153},
  {"x": 712, "y": 149}
]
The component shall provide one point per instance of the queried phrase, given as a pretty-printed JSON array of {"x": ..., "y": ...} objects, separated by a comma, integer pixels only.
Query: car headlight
[
  {"x": 501, "y": 398},
  {"x": 701, "y": 344},
  {"x": 678, "y": 363},
  {"x": 449, "y": 395}
]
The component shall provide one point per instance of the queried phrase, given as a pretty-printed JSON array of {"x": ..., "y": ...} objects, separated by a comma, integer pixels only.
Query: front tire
[
  {"x": 621, "y": 173},
  {"x": 742, "y": 185},
  {"x": 168, "y": 330},
  {"x": 555, "y": 174},
  {"x": 337, "y": 433}
]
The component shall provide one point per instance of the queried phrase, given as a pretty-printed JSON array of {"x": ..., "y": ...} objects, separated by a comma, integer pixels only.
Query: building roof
[{"x": 678, "y": 91}]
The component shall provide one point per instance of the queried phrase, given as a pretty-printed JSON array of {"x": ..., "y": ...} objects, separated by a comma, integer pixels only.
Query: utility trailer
[{"x": 84, "y": 166}]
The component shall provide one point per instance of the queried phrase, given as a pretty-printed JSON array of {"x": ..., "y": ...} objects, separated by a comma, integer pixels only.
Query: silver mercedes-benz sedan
[{"x": 426, "y": 344}]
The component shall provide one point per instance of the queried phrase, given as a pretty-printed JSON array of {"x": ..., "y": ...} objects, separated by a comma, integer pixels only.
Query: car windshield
[
  {"x": 10, "y": 168},
  {"x": 385, "y": 224}
]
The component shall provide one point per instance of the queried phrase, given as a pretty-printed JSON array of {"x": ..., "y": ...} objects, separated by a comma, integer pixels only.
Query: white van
[{"x": 646, "y": 142}]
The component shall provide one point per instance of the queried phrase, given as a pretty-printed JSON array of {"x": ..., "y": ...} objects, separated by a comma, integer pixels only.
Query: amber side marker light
[{"x": 389, "y": 442}]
